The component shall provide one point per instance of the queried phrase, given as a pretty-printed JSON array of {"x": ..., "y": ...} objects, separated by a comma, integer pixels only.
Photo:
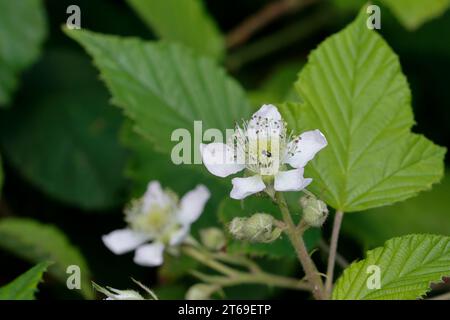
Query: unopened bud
[
  {"x": 258, "y": 228},
  {"x": 212, "y": 238},
  {"x": 200, "y": 291},
  {"x": 315, "y": 211}
]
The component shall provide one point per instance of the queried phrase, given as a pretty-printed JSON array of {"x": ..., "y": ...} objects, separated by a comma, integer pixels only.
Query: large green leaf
[
  {"x": 164, "y": 87},
  {"x": 63, "y": 137},
  {"x": 25, "y": 286},
  {"x": 408, "y": 265},
  {"x": 354, "y": 92},
  {"x": 184, "y": 21},
  {"x": 22, "y": 31},
  {"x": 34, "y": 242},
  {"x": 414, "y": 13},
  {"x": 281, "y": 247},
  {"x": 429, "y": 212}
]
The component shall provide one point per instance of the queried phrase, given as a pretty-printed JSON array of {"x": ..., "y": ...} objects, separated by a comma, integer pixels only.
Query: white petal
[
  {"x": 219, "y": 159},
  {"x": 309, "y": 143},
  {"x": 123, "y": 240},
  {"x": 268, "y": 111},
  {"x": 192, "y": 204},
  {"x": 155, "y": 195},
  {"x": 149, "y": 255},
  {"x": 291, "y": 180},
  {"x": 179, "y": 236},
  {"x": 243, "y": 187}
]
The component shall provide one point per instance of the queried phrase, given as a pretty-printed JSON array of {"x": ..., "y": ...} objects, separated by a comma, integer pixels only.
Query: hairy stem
[
  {"x": 296, "y": 239},
  {"x": 333, "y": 249}
]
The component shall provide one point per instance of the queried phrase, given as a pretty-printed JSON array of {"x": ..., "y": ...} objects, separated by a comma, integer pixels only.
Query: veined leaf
[
  {"x": 408, "y": 265},
  {"x": 163, "y": 87},
  {"x": 354, "y": 92},
  {"x": 24, "y": 286},
  {"x": 184, "y": 21},
  {"x": 22, "y": 31},
  {"x": 34, "y": 241},
  {"x": 414, "y": 13},
  {"x": 429, "y": 212},
  {"x": 281, "y": 247}
]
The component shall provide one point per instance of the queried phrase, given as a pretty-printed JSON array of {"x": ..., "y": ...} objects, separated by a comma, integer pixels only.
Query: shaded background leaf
[
  {"x": 22, "y": 31},
  {"x": 34, "y": 242},
  {"x": 73, "y": 153},
  {"x": 194, "y": 27}
]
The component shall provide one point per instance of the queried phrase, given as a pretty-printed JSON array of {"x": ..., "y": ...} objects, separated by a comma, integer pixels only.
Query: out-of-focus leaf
[
  {"x": 414, "y": 13},
  {"x": 34, "y": 242},
  {"x": 1, "y": 175},
  {"x": 184, "y": 21},
  {"x": 64, "y": 136},
  {"x": 429, "y": 212},
  {"x": 355, "y": 93},
  {"x": 279, "y": 85},
  {"x": 407, "y": 265},
  {"x": 281, "y": 247},
  {"x": 22, "y": 31},
  {"x": 163, "y": 87},
  {"x": 24, "y": 286}
]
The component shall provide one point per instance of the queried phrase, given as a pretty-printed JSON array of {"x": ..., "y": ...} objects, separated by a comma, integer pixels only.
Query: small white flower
[
  {"x": 270, "y": 156},
  {"x": 158, "y": 217}
]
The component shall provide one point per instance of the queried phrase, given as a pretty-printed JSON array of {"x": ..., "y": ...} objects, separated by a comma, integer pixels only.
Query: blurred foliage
[
  {"x": 37, "y": 242},
  {"x": 22, "y": 31},
  {"x": 73, "y": 153},
  {"x": 193, "y": 27},
  {"x": 77, "y": 154},
  {"x": 24, "y": 286}
]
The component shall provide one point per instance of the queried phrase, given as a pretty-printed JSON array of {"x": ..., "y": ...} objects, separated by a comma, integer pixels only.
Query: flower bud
[
  {"x": 200, "y": 291},
  {"x": 315, "y": 211},
  {"x": 257, "y": 228},
  {"x": 212, "y": 238}
]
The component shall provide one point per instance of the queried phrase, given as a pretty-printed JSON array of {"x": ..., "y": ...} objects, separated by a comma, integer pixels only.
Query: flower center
[{"x": 261, "y": 144}]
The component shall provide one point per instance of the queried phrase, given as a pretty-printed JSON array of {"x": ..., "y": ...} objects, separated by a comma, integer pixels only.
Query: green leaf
[
  {"x": 426, "y": 213},
  {"x": 281, "y": 247},
  {"x": 354, "y": 92},
  {"x": 184, "y": 21},
  {"x": 408, "y": 265},
  {"x": 25, "y": 286},
  {"x": 64, "y": 136},
  {"x": 22, "y": 31},
  {"x": 164, "y": 87},
  {"x": 413, "y": 13},
  {"x": 34, "y": 242}
]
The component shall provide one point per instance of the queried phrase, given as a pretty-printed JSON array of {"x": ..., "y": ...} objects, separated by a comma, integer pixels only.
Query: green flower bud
[
  {"x": 201, "y": 291},
  {"x": 315, "y": 211},
  {"x": 212, "y": 238},
  {"x": 257, "y": 228}
]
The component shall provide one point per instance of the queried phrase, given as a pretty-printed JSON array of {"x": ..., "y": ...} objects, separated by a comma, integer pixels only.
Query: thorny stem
[
  {"x": 333, "y": 249},
  {"x": 236, "y": 277},
  {"x": 296, "y": 239},
  {"x": 260, "y": 19}
]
